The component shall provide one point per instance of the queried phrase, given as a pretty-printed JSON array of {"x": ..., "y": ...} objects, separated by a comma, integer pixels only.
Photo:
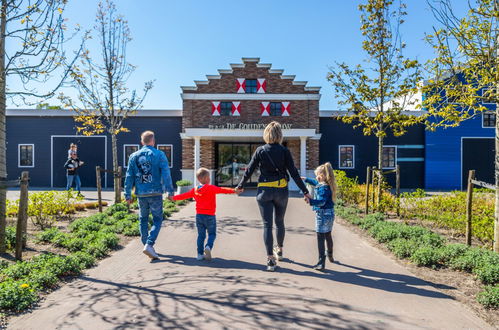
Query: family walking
[{"x": 276, "y": 167}]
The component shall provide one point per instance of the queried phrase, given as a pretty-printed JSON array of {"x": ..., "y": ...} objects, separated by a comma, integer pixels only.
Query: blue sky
[{"x": 178, "y": 41}]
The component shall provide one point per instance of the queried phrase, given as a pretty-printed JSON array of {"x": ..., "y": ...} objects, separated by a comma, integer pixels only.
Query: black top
[
  {"x": 72, "y": 166},
  {"x": 281, "y": 158}
]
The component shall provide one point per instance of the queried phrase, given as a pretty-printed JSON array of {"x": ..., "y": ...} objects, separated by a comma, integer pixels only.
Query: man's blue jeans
[
  {"x": 153, "y": 205},
  {"x": 76, "y": 180},
  {"x": 206, "y": 223}
]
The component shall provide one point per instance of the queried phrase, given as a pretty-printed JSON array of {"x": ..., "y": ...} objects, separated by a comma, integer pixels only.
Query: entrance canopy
[{"x": 245, "y": 134}]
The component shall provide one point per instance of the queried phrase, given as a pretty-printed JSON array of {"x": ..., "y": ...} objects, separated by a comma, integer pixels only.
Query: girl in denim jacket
[{"x": 323, "y": 205}]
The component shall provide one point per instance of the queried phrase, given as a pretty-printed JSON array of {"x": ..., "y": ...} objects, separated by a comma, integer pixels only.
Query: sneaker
[
  {"x": 207, "y": 253},
  {"x": 200, "y": 257},
  {"x": 271, "y": 265},
  {"x": 278, "y": 253},
  {"x": 149, "y": 251}
]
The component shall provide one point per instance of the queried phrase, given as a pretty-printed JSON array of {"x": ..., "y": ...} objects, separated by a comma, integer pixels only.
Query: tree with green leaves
[
  {"x": 465, "y": 71},
  {"x": 33, "y": 66},
  {"x": 104, "y": 101},
  {"x": 377, "y": 92}
]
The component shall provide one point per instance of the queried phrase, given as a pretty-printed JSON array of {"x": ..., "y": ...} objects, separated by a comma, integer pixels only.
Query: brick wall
[
  {"x": 198, "y": 113},
  {"x": 312, "y": 154},
  {"x": 208, "y": 154}
]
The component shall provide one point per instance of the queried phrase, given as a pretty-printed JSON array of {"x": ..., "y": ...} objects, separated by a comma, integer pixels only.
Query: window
[
  {"x": 250, "y": 86},
  {"x": 128, "y": 149},
  {"x": 488, "y": 119},
  {"x": 26, "y": 155},
  {"x": 226, "y": 109},
  {"x": 389, "y": 156},
  {"x": 168, "y": 150},
  {"x": 346, "y": 157},
  {"x": 275, "y": 108}
]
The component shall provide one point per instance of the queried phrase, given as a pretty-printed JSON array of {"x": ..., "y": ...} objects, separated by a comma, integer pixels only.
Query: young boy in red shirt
[{"x": 205, "y": 196}]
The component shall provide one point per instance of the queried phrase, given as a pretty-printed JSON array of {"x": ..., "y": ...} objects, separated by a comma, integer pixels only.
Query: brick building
[{"x": 223, "y": 119}]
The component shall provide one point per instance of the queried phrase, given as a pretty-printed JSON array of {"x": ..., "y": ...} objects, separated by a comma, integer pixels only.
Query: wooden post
[
  {"x": 22, "y": 216},
  {"x": 99, "y": 187},
  {"x": 119, "y": 181},
  {"x": 368, "y": 177},
  {"x": 397, "y": 188},
  {"x": 373, "y": 180},
  {"x": 469, "y": 205}
]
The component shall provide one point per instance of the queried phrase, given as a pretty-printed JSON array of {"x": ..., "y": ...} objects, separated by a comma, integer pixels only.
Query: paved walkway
[{"x": 366, "y": 290}]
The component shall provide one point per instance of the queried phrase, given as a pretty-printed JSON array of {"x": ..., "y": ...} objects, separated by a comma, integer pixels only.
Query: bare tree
[
  {"x": 104, "y": 100},
  {"x": 35, "y": 32},
  {"x": 465, "y": 71}
]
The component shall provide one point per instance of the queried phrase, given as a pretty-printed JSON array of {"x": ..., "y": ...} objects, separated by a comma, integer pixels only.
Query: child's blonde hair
[{"x": 326, "y": 170}]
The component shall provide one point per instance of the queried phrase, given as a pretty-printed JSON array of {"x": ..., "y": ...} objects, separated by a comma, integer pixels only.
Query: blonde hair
[
  {"x": 201, "y": 173},
  {"x": 147, "y": 137},
  {"x": 327, "y": 172},
  {"x": 273, "y": 133}
]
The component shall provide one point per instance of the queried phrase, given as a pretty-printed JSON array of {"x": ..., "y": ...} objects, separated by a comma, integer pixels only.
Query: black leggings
[
  {"x": 272, "y": 203},
  {"x": 321, "y": 237}
]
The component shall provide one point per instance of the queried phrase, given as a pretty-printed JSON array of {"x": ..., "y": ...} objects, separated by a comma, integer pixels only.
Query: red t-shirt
[{"x": 205, "y": 197}]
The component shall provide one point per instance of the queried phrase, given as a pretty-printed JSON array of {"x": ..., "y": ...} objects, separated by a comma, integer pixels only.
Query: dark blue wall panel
[{"x": 38, "y": 131}]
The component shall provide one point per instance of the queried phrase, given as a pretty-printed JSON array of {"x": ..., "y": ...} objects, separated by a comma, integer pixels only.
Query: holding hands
[{"x": 238, "y": 190}]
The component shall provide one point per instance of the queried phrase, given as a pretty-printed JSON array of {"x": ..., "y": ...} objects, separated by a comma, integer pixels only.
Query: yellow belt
[{"x": 282, "y": 183}]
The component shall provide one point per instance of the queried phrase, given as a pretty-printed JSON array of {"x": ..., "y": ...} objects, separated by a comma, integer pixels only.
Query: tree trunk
[
  {"x": 3, "y": 106},
  {"x": 380, "y": 169},
  {"x": 116, "y": 178}
]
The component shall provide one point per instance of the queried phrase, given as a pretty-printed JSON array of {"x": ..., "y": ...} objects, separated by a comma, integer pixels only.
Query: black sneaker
[
  {"x": 271, "y": 265},
  {"x": 278, "y": 253}
]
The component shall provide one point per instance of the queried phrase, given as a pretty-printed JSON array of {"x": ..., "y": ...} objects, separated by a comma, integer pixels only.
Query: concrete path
[{"x": 366, "y": 290}]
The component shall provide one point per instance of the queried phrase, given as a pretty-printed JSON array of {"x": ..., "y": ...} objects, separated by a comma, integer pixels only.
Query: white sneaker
[
  {"x": 149, "y": 251},
  {"x": 200, "y": 257},
  {"x": 207, "y": 253}
]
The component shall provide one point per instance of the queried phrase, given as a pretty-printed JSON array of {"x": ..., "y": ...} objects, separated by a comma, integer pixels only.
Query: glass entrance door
[{"x": 232, "y": 160}]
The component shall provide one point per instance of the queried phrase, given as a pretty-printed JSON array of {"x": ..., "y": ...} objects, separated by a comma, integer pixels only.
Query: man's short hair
[
  {"x": 202, "y": 172},
  {"x": 147, "y": 137}
]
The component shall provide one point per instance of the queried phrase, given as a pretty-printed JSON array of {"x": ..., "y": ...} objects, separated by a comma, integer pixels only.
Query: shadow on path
[
  {"x": 390, "y": 282},
  {"x": 218, "y": 301}
]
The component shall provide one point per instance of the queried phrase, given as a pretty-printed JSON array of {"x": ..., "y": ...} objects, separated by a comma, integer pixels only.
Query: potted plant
[{"x": 183, "y": 186}]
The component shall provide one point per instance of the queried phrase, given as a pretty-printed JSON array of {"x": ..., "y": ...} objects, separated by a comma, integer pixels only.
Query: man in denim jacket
[{"x": 149, "y": 173}]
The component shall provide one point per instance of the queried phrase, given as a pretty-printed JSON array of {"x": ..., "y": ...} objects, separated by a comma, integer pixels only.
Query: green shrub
[
  {"x": 132, "y": 231},
  {"x": 48, "y": 235},
  {"x": 384, "y": 231},
  {"x": 16, "y": 295},
  {"x": 109, "y": 240},
  {"x": 120, "y": 215},
  {"x": 487, "y": 273},
  {"x": 474, "y": 258},
  {"x": 75, "y": 244},
  {"x": 60, "y": 239},
  {"x": 10, "y": 237},
  {"x": 403, "y": 248},
  {"x": 42, "y": 279},
  {"x": 368, "y": 221},
  {"x": 117, "y": 208},
  {"x": 489, "y": 297},
  {"x": 97, "y": 249},
  {"x": 431, "y": 239},
  {"x": 19, "y": 270},
  {"x": 452, "y": 251},
  {"x": 183, "y": 183},
  {"x": 426, "y": 256},
  {"x": 84, "y": 259}
]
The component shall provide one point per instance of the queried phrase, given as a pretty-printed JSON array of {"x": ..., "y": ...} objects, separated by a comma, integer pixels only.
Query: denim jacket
[
  {"x": 322, "y": 196},
  {"x": 149, "y": 173}
]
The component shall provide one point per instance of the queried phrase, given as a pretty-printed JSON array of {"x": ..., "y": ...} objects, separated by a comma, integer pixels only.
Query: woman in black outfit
[{"x": 276, "y": 165}]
